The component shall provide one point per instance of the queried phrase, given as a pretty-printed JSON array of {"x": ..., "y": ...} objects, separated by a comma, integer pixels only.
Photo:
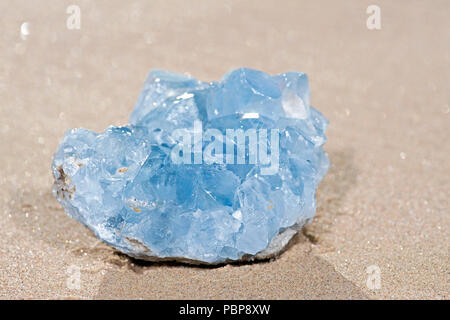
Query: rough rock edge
[{"x": 275, "y": 248}]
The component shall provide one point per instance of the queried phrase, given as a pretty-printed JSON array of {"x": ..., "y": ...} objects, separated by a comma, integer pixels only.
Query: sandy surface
[{"x": 386, "y": 93}]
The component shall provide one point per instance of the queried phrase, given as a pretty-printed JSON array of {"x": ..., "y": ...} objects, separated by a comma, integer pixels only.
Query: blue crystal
[{"x": 127, "y": 187}]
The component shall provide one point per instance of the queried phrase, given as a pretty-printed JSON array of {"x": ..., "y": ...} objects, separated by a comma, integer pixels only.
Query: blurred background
[{"x": 383, "y": 84}]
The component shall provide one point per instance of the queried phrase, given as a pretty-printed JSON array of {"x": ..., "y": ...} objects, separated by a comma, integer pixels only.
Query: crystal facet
[{"x": 125, "y": 185}]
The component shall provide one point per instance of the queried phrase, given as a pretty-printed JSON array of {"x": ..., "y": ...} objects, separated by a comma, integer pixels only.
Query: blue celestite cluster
[{"x": 127, "y": 186}]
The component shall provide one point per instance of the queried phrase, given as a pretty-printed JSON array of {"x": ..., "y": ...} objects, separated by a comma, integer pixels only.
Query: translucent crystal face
[{"x": 221, "y": 202}]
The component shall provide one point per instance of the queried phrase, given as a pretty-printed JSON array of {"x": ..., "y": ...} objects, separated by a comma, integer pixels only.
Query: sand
[{"x": 383, "y": 207}]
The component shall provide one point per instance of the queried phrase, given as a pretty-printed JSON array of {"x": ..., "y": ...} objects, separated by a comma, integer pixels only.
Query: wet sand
[{"x": 383, "y": 205}]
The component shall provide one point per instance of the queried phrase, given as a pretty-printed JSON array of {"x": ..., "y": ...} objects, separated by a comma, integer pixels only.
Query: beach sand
[{"x": 383, "y": 208}]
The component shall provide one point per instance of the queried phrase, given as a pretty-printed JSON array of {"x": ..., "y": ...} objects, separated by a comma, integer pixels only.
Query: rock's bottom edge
[{"x": 275, "y": 248}]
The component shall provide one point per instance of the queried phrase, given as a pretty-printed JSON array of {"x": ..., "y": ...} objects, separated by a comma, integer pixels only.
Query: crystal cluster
[{"x": 126, "y": 187}]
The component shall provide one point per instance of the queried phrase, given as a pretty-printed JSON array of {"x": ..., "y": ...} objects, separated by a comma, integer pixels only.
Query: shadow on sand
[{"x": 40, "y": 215}]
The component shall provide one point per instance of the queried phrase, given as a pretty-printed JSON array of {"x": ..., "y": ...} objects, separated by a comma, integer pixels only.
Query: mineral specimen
[{"x": 204, "y": 173}]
